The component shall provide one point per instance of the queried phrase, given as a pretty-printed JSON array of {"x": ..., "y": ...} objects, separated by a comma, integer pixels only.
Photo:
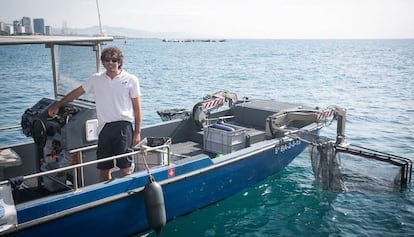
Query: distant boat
[{"x": 193, "y": 40}]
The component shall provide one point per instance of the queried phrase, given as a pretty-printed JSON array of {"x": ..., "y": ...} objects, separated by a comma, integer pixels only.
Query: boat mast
[{"x": 100, "y": 22}]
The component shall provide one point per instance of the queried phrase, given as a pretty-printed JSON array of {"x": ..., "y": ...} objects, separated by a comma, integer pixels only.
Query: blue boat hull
[{"x": 117, "y": 208}]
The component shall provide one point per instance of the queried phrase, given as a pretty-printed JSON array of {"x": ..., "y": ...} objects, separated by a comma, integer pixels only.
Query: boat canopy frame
[{"x": 52, "y": 41}]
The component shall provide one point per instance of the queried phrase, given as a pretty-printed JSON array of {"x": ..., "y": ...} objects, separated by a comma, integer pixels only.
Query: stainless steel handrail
[
  {"x": 81, "y": 165},
  {"x": 9, "y": 127}
]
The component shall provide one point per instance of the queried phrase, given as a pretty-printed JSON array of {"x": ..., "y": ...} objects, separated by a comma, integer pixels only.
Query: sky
[{"x": 229, "y": 18}]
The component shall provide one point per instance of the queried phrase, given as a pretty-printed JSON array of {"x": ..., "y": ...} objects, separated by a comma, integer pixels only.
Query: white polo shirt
[{"x": 113, "y": 96}]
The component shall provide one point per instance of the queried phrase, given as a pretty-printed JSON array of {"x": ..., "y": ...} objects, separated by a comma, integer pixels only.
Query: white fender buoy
[{"x": 154, "y": 205}]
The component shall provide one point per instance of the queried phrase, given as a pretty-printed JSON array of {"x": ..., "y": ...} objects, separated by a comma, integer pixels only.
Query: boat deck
[
  {"x": 187, "y": 144},
  {"x": 186, "y": 151}
]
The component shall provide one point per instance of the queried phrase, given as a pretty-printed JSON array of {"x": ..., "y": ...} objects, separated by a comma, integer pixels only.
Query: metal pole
[{"x": 54, "y": 70}]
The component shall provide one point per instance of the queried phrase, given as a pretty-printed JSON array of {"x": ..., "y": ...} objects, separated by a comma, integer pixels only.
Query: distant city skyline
[
  {"x": 230, "y": 18},
  {"x": 25, "y": 25}
]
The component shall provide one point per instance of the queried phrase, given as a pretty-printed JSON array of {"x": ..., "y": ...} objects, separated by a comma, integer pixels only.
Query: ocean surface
[{"x": 372, "y": 79}]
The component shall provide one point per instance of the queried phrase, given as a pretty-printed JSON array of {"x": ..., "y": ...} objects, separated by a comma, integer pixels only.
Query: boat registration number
[{"x": 287, "y": 146}]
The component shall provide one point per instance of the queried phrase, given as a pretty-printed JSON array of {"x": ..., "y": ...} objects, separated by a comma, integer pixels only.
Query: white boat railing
[
  {"x": 9, "y": 127},
  {"x": 79, "y": 152}
]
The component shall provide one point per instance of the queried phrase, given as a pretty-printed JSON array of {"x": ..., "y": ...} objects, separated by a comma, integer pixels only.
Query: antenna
[
  {"x": 100, "y": 22},
  {"x": 65, "y": 30}
]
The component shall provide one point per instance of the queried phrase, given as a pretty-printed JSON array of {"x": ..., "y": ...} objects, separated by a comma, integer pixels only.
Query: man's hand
[
  {"x": 53, "y": 111},
  {"x": 136, "y": 138}
]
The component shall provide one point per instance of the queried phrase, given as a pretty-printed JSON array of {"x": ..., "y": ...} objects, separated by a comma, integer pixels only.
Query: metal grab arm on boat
[
  {"x": 211, "y": 102},
  {"x": 218, "y": 98},
  {"x": 279, "y": 124},
  {"x": 340, "y": 129}
]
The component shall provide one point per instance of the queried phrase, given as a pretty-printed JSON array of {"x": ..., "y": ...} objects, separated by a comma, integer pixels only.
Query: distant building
[
  {"x": 39, "y": 26},
  {"x": 48, "y": 30},
  {"x": 6, "y": 29},
  {"x": 10, "y": 30},
  {"x": 21, "y": 30},
  {"x": 16, "y": 25},
  {"x": 2, "y": 26},
  {"x": 65, "y": 30},
  {"x": 27, "y": 24}
]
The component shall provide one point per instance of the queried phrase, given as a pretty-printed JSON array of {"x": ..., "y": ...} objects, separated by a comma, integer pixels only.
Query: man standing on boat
[{"x": 118, "y": 106}]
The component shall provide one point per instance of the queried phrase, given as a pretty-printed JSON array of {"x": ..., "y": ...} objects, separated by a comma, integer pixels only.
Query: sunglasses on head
[{"x": 114, "y": 60}]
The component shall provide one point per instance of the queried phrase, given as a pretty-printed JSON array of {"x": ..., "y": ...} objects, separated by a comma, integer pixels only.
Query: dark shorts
[{"x": 115, "y": 139}]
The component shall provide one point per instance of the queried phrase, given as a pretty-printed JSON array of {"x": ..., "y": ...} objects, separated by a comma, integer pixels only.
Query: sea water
[{"x": 372, "y": 79}]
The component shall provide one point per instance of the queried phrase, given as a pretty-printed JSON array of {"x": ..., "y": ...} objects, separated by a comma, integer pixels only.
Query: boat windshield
[{"x": 75, "y": 64}]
